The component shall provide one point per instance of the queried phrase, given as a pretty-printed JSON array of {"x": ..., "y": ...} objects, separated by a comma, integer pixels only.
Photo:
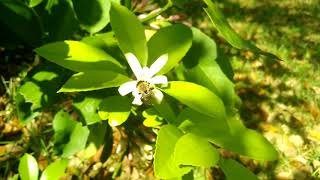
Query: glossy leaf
[
  {"x": 108, "y": 43},
  {"x": 63, "y": 126},
  {"x": 77, "y": 142},
  {"x": 222, "y": 25},
  {"x": 116, "y": 108},
  {"x": 230, "y": 134},
  {"x": 60, "y": 12},
  {"x": 165, "y": 110},
  {"x": 78, "y": 56},
  {"x": 174, "y": 40},
  {"x": 201, "y": 67},
  {"x": 93, "y": 15},
  {"x": 248, "y": 142},
  {"x": 152, "y": 119},
  {"x": 87, "y": 105},
  {"x": 28, "y": 167},
  {"x": 23, "y": 109},
  {"x": 164, "y": 164},
  {"x": 33, "y": 3},
  {"x": 20, "y": 19},
  {"x": 197, "y": 97},
  {"x": 129, "y": 32},
  {"x": 199, "y": 124},
  {"x": 234, "y": 170},
  {"x": 41, "y": 85},
  {"x": 55, "y": 170},
  {"x": 195, "y": 151},
  {"x": 93, "y": 80},
  {"x": 98, "y": 133}
]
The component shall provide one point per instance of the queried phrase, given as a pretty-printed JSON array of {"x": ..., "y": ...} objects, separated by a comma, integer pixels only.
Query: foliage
[{"x": 196, "y": 112}]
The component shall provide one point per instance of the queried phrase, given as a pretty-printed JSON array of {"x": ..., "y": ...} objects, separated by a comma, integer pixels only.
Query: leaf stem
[{"x": 157, "y": 12}]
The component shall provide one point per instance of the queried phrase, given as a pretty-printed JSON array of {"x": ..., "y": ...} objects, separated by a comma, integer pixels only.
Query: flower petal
[
  {"x": 158, "y": 65},
  {"x": 137, "y": 101},
  {"x": 157, "y": 95},
  {"x": 159, "y": 80},
  {"x": 137, "y": 98},
  {"x": 134, "y": 64},
  {"x": 127, "y": 88}
]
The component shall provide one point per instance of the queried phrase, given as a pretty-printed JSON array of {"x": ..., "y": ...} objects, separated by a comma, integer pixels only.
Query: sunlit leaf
[
  {"x": 129, "y": 32},
  {"x": 164, "y": 164},
  {"x": 173, "y": 40},
  {"x": 196, "y": 97},
  {"x": 93, "y": 15},
  {"x": 87, "y": 105},
  {"x": 41, "y": 85},
  {"x": 108, "y": 43},
  {"x": 201, "y": 67},
  {"x": 234, "y": 170},
  {"x": 152, "y": 118},
  {"x": 229, "y": 134},
  {"x": 165, "y": 110},
  {"x": 33, "y": 3},
  {"x": 194, "y": 150},
  {"x": 199, "y": 124},
  {"x": 116, "y": 108},
  {"x": 28, "y": 167},
  {"x": 93, "y": 80},
  {"x": 222, "y": 25},
  {"x": 78, "y": 56},
  {"x": 63, "y": 126},
  {"x": 248, "y": 142},
  {"x": 78, "y": 140},
  {"x": 98, "y": 132},
  {"x": 55, "y": 170}
]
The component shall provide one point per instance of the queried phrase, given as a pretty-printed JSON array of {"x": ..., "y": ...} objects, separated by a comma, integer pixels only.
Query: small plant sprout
[{"x": 143, "y": 89}]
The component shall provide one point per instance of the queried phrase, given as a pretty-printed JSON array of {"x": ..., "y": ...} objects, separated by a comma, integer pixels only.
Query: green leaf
[
  {"x": 23, "y": 109},
  {"x": 234, "y": 170},
  {"x": 78, "y": 140},
  {"x": 78, "y": 56},
  {"x": 152, "y": 118},
  {"x": 88, "y": 107},
  {"x": 227, "y": 32},
  {"x": 33, "y": 3},
  {"x": 98, "y": 132},
  {"x": 164, "y": 164},
  {"x": 59, "y": 12},
  {"x": 28, "y": 167},
  {"x": 93, "y": 15},
  {"x": 108, "y": 43},
  {"x": 230, "y": 134},
  {"x": 63, "y": 126},
  {"x": 248, "y": 142},
  {"x": 55, "y": 170},
  {"x": 174, "y": 40},
  {"x": 93, "y": 80},
  {"x": 194, "y": 150},
  {"x": 42, "y": 83},
  {"x": 201, "y": 125},
  {"x": 117, "y": 109},
  {"x": 165, "y": 110},
  {"x": 129, "y": 32},
  {"x": 197, "y": 97},
  {"x": 201, "y": 67},
  {"x": 21, "y": 20}
]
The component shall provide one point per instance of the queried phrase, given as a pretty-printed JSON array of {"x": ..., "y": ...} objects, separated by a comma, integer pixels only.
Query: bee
[{"x": 145, "y": 89}]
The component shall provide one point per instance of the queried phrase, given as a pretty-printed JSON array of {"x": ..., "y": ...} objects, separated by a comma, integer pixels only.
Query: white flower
[{"x": 144, "y": 87}]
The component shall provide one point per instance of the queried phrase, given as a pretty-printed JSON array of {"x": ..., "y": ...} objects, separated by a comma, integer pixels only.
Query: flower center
[{"x": 144, "y": 88}]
